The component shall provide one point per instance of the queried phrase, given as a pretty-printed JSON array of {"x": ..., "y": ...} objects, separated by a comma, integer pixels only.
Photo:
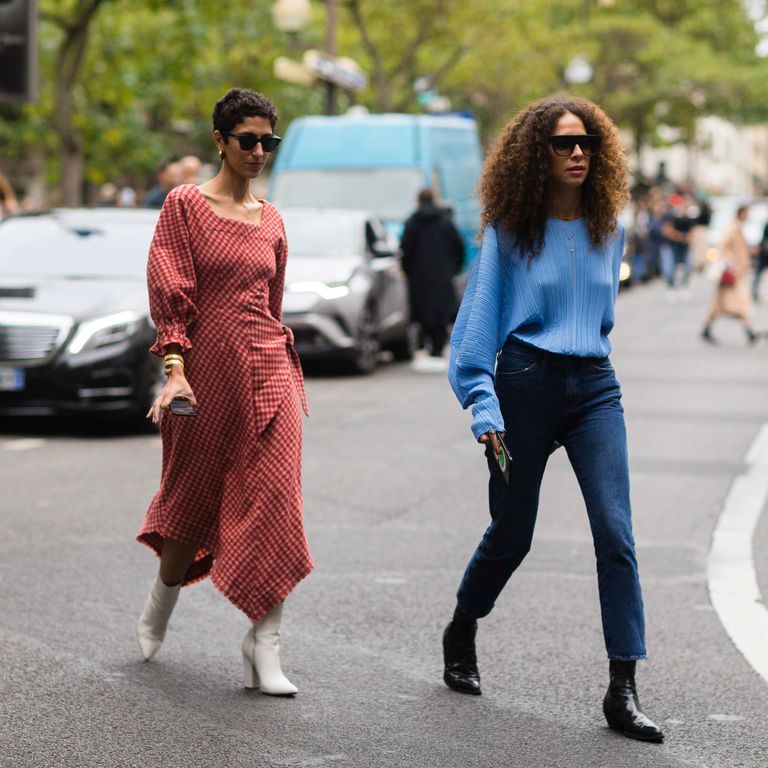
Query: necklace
[{"x": 569, "y": 226}]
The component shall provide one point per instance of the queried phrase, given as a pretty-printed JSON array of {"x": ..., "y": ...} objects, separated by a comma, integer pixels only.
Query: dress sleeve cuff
[
  {"x": 170, "y": 333},
  {"x": 486, "y": 415}
]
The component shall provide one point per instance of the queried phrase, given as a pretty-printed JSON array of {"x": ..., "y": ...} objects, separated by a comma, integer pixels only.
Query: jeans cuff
[{"x": 638, "y": 657}]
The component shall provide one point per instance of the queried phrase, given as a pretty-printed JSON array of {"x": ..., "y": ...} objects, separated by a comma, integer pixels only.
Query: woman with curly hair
[{"x": 529, "y": 353}]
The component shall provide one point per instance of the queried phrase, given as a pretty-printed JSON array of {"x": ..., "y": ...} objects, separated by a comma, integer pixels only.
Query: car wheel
[
  {"x": 405, "y": 347},
  {"x": 152, "y": 381},
  {"x": 366, "y": 355}
]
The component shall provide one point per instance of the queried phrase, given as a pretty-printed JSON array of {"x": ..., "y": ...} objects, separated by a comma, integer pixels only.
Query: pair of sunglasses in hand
[{"x": 181, "y": 407}]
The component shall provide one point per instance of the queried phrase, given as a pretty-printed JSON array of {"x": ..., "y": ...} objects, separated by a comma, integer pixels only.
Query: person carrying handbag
[{"x": 732, "y": 297}]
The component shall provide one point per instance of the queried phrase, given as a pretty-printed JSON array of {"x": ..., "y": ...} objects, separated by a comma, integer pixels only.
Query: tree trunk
[
  {"x": 72, "y": 165},
  {"x": 69, "y": 62},
  {"x": 36, "y": 197}
]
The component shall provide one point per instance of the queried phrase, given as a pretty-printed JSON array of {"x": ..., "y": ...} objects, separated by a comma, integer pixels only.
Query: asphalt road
[{"x": 395, "y": 503}]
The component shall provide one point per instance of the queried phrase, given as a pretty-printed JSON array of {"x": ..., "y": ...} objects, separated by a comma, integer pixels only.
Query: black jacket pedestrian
[{"x": 433, "y": 252}]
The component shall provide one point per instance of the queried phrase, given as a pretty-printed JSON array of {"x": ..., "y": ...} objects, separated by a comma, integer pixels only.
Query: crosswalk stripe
[{"x": 733, "y": 586}]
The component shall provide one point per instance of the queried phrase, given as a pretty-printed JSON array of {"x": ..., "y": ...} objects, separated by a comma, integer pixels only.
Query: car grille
[{"x": 28, "y": 339}]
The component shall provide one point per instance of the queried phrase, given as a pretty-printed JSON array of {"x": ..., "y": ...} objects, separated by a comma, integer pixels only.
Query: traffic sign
[
  {"x": 18, "y": 51},
  {"x": 341, "y": 71}
]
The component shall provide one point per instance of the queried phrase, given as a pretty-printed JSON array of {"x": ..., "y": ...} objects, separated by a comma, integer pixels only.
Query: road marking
[
  {"x": 24, "y": 444},
  {"x": 731, "y": 577}
]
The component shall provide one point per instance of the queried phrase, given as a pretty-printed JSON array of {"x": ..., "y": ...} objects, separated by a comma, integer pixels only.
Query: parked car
[
  {"x": 345, "y": 292},
  {"x": 74, "y": 316}
]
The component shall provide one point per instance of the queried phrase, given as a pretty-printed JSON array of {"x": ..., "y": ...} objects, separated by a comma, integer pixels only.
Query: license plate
[{"x": 11, "y": 379}]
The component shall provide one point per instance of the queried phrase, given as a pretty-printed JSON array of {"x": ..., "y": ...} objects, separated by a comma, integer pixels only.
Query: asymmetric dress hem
[{"x": 231, "y": 476}]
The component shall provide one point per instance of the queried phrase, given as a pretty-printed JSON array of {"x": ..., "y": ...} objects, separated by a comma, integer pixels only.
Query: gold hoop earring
[{"x": 221, "y": 154}]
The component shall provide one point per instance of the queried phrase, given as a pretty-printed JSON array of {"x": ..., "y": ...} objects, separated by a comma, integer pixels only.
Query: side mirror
[{"x": 382, "y": 248}]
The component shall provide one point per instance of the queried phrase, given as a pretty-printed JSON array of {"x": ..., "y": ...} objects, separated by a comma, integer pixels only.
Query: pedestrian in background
[
  {"x": 433, "y": 253},
  {"x": 168, "y": 177},
  {"x": 529, "y": 354},
  {"x": 698, "y": 236},
  {"x": 656, "y": 240},
  {"x": 9, "y": 204},
  {"x": 762, "y": 263},
  {"x": 732, "y": 293},
  {"x": 229, "y": 503},
  {"x": 675, "y": 228},
  {"x": 189, "y": 169},
  {"x": 126, "y": 194}
]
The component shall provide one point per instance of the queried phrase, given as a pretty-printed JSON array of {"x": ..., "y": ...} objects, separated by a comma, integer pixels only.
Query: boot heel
[
  {"x": 261, "y": 656},
  {"x": 250, "y": 673}
]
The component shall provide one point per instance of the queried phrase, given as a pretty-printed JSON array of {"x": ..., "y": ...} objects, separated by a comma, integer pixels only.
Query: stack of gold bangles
[{"x": 170, "y": 360}]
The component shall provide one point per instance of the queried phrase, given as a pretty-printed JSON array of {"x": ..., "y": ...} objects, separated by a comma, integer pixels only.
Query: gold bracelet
[
  {"x": 167, "y": 367},
  {"x": 172, "y": 357}
]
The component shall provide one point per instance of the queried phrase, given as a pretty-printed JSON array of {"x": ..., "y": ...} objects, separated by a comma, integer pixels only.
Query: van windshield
[{"x": 389, "y": 193}]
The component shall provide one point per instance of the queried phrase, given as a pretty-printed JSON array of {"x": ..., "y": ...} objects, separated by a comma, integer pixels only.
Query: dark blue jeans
[{"x": 544, "y": 398}]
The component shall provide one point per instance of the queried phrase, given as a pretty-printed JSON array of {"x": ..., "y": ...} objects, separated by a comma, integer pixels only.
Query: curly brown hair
[{"x": 514, "y": 184}]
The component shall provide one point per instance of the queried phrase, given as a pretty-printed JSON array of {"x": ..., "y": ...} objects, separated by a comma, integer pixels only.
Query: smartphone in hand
[
  {"x": 504, "y": 459},
  {"x": 181, "y": 407}
]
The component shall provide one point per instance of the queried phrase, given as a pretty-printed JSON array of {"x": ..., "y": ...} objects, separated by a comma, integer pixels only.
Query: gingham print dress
[{"x": 231, "y": 476}]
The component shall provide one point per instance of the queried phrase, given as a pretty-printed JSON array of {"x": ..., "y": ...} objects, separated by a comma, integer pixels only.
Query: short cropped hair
[
  {"x": 426, "y": 197},
  {"x": 237, "y": 104}
]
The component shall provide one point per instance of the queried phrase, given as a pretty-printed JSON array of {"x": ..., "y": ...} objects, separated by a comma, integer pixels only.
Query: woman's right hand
[
  {"x": 176, "y": 386},
  {"x": 491, "y": 439}
]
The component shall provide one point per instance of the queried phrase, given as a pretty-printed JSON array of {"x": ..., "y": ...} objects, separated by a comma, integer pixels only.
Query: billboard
[{"x": 18, "y": 51}]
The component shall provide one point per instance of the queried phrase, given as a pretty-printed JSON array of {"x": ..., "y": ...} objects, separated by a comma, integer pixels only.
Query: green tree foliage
[
  {"x": 146, "y": 84},
  {"x": 655, "y": 61},
  {"x": 125, "y": 83}
]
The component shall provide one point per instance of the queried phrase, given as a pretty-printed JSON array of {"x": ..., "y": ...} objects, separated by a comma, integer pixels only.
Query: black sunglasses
[
  {"x": 248, "y": 141},
  {"x": 589, "y": 144}
]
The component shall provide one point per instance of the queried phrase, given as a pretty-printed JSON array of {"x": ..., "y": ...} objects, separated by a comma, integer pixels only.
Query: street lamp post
[
  {"x": 316, "y": 66},
  {"x": 292, "y": 15},
  {"x": 330, "y": 49}
]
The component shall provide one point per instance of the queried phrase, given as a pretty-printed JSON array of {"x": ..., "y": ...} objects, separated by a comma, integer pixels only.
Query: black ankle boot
[
  {"x": 621, "y": 707},
  {"x": 459, "y": 654}
]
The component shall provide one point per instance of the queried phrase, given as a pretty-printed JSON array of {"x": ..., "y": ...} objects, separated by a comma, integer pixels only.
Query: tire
[
  {"x": 365, "y": 357},
  {"x": 405, "y": 347}
]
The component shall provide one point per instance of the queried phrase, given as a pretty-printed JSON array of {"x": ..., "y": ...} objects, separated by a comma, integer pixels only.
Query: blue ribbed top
[{"x": 561, "y": 301}]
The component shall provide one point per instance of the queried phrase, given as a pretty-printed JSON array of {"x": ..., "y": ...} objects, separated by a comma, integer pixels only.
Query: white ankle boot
[
  {"x": 154, "y": 618},
  {"x": 261, "y": 656}
]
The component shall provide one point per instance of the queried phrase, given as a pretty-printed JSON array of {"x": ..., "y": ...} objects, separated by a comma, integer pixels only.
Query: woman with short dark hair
[
  {"x": 529, "y": 354},
  {"x": 229, "y": 503}
]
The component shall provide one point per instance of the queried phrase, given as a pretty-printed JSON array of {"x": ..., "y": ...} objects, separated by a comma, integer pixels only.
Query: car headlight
[
  {"x": 625, "y": 272},
  {"x": 324, "y": 290},
  {"x": 104, "y": 331}
]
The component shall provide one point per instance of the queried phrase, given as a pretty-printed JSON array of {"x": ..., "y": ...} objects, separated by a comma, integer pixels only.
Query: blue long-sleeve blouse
[{"x": 560, "y": 301}]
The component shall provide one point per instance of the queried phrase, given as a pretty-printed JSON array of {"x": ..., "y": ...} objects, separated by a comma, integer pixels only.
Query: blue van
[{"x": 379, "y": 163}]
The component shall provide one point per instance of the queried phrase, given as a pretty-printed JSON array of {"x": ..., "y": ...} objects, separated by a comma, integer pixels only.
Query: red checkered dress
[{"x": 231, "y": 476}]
